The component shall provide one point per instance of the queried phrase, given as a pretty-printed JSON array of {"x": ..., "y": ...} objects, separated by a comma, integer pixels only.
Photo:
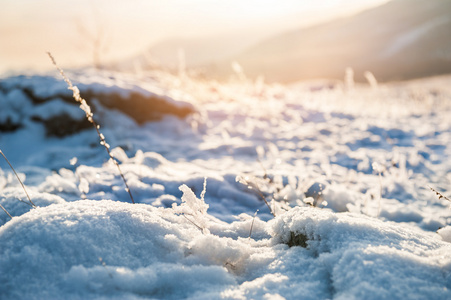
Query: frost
[
  {"x": 445, "y": 233},
  {"x": 83, "y": 186},
  {"x": 73, "y": 161},
  {"x": 194, "y": 207},
  {"x": 87, "y": 109},
  {"x": 119, "y": 153}
]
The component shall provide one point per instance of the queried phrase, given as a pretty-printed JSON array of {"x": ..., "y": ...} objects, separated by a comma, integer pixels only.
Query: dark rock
[
  {"x": 62, "y": 125},
  {"x": 139, "y": 107}
]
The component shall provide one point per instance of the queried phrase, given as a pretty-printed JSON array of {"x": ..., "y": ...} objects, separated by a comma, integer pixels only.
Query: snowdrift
[{"x": 95, "y": 249}]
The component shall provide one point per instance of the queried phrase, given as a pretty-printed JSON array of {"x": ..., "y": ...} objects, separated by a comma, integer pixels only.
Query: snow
[
  {"x": 445, "y": 233},
  {"x": 367, "y": 258},
  {"x": 365, "y": 157}
]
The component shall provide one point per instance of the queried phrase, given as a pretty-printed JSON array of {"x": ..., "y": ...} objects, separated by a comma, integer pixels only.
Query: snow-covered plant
[
  {"x": 83, "y": 183},
  {"x": 89, "y": 115},
  {"x": 239, "y": 72},
  {"x": 193, "y": 207},
  {"x": 21, "y": 183},
  {"x": 371, "y": 79},
  {"x": 83, "y": 187}
]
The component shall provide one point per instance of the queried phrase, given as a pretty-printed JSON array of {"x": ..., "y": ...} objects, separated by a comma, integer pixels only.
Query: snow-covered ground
[{"x": 364, "y": 157}]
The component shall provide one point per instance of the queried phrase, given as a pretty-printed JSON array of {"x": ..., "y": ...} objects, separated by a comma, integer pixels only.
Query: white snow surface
[{"x": 366, "y": 157}]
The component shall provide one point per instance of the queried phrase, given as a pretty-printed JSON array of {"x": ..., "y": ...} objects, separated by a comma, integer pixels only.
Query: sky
[{"x": 72, "y": 29}]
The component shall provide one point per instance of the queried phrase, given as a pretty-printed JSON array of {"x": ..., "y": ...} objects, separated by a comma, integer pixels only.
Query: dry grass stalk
[
  {"x": 21, "y": 183},
  {"x": 1, "y": 206},
  {"x": 254, "y": 186},
  {"x": 89, "y": 115}
]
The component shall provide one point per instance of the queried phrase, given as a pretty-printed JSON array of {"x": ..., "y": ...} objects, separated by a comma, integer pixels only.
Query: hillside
[{"x": 402, "y": 39}]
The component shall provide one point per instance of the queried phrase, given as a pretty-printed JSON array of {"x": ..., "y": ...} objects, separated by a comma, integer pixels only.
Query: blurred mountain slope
[{"x": 401, "y": 39}]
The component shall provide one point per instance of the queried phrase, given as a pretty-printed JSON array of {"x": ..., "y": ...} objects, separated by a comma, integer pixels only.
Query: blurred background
[{"x": 284, "y": 41}]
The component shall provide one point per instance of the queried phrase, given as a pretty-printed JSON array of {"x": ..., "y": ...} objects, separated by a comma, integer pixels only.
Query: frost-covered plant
[
  {"x": 194, "y": 207},
  {"x": 349, "y": 79},
  {"x": 440, "y": 195},
  {"x": 239, "y": 72},
  {"x": 252, "y": 224},
  {"x": 371, "y": 79},
  {"x": 21, "y": 183},
  {"x": 89, "y": 115},
  {"x": 83, "y": 183}
]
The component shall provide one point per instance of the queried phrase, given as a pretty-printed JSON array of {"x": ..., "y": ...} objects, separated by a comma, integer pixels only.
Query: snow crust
[
  {"x": 90, "y": 249},
  {"x": 364, "y": 156}
]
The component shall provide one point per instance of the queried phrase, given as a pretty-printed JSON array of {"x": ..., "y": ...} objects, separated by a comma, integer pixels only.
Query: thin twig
[
  {"x": 25, "y": 202},
  {"x": 200, "y": 228},
  {"x": 1, "y": 206},
  {"x": 23, "y": 186}
]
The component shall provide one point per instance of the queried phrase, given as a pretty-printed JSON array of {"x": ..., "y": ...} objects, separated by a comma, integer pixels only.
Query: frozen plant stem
[
  {"x": 1, "y": 206},
  {"x": 254, "y": 187},
  {"x": 252, "y": 224},
  {"x": 440, "y": 195},
  {"x": 89, "y": 115},
  {"x": 264, "y": 199},
  {"x": 198, "y": 227},
  {"x": 17, "y": 176}
]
